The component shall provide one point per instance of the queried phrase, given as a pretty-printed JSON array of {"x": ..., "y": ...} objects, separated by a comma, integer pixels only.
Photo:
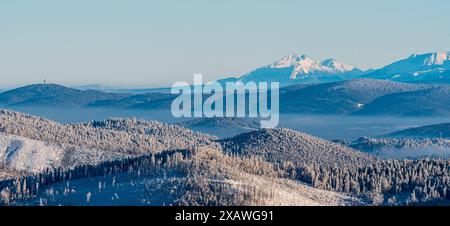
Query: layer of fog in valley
[
  {"x": 70, "y": 115},
  {"x": 352, "y": 127},
  {"x": 414, "y": 153},
  {"x": 325, "y": 126}
]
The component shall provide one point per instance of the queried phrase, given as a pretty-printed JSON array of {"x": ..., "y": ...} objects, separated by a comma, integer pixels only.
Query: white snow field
[{"x": 23, "y": 154}]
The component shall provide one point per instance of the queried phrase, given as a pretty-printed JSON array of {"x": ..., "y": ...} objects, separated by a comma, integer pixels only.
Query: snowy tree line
[
  {"x": 281, "y": 145},
  {"x": 128, "y": 136},
  {"x": 28, "y": 186},
  {"x": 384, "y": 182},
  {"x": 375, "y": 144},
  {"x": 202, "y": 173},
  {"x": 200, "y": 181}
]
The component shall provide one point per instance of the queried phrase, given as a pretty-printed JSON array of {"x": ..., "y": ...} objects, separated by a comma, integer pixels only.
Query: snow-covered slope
[
  {"x": 143, "y": 191},
  {"x": 294, "y": 69},
  {"x": 293, "y": 193},
  {"x": 23, "y": 154},
  {"x": 428, "y": 67},
  {"x": 207, "y": 177}
]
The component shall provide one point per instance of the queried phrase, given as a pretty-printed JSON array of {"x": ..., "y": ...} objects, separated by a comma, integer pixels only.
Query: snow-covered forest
[{"x": 136, "y": 162}]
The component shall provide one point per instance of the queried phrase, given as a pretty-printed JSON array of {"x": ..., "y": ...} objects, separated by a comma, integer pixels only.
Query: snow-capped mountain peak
[
  {"x": 429, "y": 59},
  {"x": 296, "y": 68},
  {"x": 412, "y": 56},
  {"x": 417, "y": 62},
  {"x": 336, "y": 65},
  {"x": 304, "y": 65},
  {"x": 437, "y": 58},
  {"x": 289, "y": 60},
  {"x": 425, "y": 68}
]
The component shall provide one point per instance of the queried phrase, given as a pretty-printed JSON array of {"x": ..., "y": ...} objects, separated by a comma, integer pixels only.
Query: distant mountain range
[
  {"x": 423, "y": 68},
  {"x": 293, "y": 69},
  {"x": 428, "y": 68},
  {"x": 344, "y": 97},
  {"x": 367, "y": 97},
  {"x": 415, "y": 86},
  {"x": 350, "y": 97}
]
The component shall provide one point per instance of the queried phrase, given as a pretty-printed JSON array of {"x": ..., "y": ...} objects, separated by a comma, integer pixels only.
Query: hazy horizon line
[{"x": 135, "y": 85}]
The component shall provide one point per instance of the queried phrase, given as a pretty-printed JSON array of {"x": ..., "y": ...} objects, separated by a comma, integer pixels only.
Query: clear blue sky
[{"x": 153, "y": 43}]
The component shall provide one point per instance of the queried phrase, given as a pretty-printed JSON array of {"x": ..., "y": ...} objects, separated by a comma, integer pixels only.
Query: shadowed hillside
[
  {"x": 428, "y": 102},
  {"x": 221, "y": 127},
  {"x": 338, "y": 97},
  {"x": 52, "y": 95},
  {"x": 430, "y": 131}
]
